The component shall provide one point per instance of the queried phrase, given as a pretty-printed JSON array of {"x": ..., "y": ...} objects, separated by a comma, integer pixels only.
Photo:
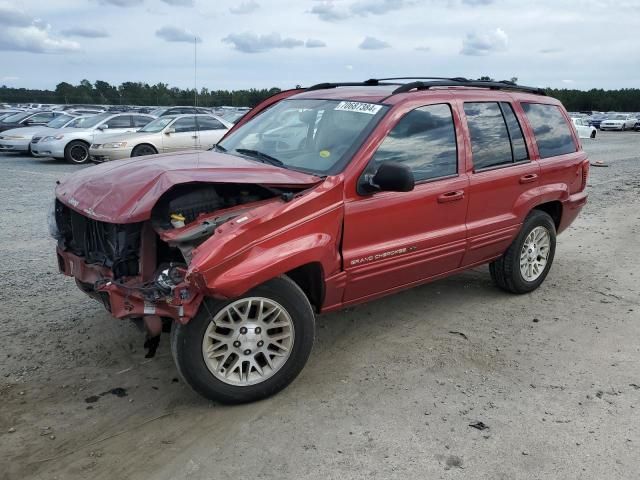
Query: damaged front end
[{"x": 139, "y": 271}]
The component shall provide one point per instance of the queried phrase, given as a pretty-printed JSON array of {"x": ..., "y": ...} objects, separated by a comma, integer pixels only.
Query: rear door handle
[
  {"x": 531, "y": 177},
  {"x": 451, "y": 196}
]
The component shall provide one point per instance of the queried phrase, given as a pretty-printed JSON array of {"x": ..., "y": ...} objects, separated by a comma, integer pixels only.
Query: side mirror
[
  {"x": 169, "y": 130},
  {"x": 391, "y": 177},
  {"x": 104, "y": 126}
]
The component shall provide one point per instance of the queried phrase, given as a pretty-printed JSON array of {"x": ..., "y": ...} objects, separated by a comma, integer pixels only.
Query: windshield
[
  {"x": 310, "y": 135},
  {"x": 88, "y": 122},
  {"x": 157, "y": 125},
  {"x": 619, "y": 117},
  {"x": 75, "y": 122},
  {"x": 59, "y": 121},
  {"x": 17, "y": 117},
  {"x": 158, "y": 111}
]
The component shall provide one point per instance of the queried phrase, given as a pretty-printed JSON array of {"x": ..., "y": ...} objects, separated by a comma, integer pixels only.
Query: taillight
[{"x": 585, "y": 175}]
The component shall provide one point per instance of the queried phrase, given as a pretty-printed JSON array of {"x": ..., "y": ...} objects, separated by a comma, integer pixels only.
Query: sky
[{"x": 281, "y": 43}]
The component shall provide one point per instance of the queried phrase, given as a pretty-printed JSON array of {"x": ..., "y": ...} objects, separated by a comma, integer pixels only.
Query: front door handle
[
  {"x": 451, "y": 196},
  {"x": 531, "y": 177}
]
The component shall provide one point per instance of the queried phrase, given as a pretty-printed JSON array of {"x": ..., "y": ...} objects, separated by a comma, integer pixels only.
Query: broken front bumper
[{"x": 131, "y": 297}]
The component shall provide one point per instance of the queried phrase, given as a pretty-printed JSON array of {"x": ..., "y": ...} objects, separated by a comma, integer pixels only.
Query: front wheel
[
  {"x": 143, "y": 150},
  {"x": 76, "y": 152},
  {"x": 248, "y": 348},
  {"x": 526, "y": 263},
  {"x": 593, "y": 134}
]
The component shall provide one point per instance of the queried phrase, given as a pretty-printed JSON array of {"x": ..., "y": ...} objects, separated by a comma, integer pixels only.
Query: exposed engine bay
[{"x": 148, "y": 261}]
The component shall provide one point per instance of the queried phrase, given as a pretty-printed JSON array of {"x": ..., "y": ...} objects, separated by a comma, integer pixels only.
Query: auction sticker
[{"x": 370, "y": 108}]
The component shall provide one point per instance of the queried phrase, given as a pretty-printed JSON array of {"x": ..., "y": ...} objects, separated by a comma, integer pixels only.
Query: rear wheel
[
  {"x": 593, "y": 134},
  {"x": 76, "y": 152},
  {"x": 247, "y": 348},
  {"x": 142, "y": 150},
  {"x": 526, "y": 263}
]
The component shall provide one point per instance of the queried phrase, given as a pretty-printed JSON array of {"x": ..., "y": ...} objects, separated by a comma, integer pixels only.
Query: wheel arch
[
  {"x": 553, "y": 209},
  {"x": 310, "y": 278},
  {"x": 144, "y": 144}
]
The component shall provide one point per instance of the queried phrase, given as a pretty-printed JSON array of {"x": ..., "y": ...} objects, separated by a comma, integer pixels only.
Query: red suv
[{"x": 319, "y": 199}]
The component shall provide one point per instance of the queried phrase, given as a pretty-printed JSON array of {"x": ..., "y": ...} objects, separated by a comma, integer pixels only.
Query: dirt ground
[{"x": 389, "y": 392}]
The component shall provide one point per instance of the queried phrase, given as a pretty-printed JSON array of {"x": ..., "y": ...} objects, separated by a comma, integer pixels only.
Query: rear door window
[
  {"x": 518, "y": 144},
  {"x": 121, "y": 121},
  {"x": 490, "y": 142},
  {"x": 424, "y": 140},
  {"x": 185, "y": 124},
  {"x": 140, "y": 121},
  {"x": 550, "y": 127},
  {"x": 206, "y": 123}
]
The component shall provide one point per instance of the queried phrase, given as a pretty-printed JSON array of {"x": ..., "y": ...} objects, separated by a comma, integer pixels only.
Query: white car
[
  {"x": 170, "y": 133},
  {"x": 583, "y": 128},
  {"x": 618, "y": 121},
  {"x": 72, "y": 144},
  {"x": 19, "y": 139}
]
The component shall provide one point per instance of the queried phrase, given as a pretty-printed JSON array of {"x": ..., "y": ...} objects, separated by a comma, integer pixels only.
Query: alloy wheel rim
[
  {"x": 78, "y": 153},
  {"x": 248, "y": 341},
  {"x": 535, "y": 253}
]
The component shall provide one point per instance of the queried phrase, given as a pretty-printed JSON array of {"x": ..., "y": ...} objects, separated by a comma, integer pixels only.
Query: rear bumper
[
  {"x": 571, "y": 208},
  {"x": 124, "y": 299}
]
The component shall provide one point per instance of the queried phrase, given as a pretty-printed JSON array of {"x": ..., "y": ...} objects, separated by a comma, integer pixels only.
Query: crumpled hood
[{"x": 125, "y": 191}]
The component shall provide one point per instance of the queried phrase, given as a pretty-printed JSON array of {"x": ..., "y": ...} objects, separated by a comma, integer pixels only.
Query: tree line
[
  {"x": 134, "y": 93},
  {"x": 138, "y": 93}
]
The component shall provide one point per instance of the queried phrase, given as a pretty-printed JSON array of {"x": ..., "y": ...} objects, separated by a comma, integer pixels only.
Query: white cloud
[
  {"x": 328, "y": 12},
  {"x": 22, "y": 33},
  {"x": 245, "y": 7},
  {"x": 85, "y": 32},
  {"x": 122, "y": 3},
  {"x": 179, "y": 3},
  {"x": 248, "y": 42},
  {"x": 372, "y": 43},
  {"x": 314, "y": 43},
  {"x": 485, "y": 43},
  {"x": 177, "y": 34},
  {"x": 378, "y": 7}
]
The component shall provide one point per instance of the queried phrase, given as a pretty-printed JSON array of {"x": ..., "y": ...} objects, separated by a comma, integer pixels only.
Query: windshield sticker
[{"x": 369, "y": 108}]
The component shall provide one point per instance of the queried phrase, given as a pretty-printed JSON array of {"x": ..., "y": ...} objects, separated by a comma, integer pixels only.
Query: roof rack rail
[
  {"x": 455, "y": 82},
  {"x": 421, "y": 84}
]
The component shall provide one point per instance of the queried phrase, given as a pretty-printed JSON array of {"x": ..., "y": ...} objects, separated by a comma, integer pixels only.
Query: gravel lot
[{"x": 389, "y": 392}]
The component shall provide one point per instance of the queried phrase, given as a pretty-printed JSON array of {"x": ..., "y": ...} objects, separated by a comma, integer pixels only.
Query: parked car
[
  {"x": 636, "y": 127},
  {"x": 166, "y": 134},
  {"x": 72, "y": 144},
  {"x": 27, "y": 119},
  {"x": 619, "y": 121},
  {"x": 596, "y": 119},
  {"x": 231, "y": 115},
  {"x": 583, "y": 128},
  {"x": 162, "y": 111},
  {"x": 7, "y": 113},
  {"x": 19, "y": 139},
  {"x": 397, "y": 185}
]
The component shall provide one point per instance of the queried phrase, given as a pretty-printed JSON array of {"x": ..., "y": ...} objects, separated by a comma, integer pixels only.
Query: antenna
[{"x": 196, "y": 138}]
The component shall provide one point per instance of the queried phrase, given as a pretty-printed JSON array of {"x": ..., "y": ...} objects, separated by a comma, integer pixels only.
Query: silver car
[
  {"x": 72, "y": 144},
  {"x": 19, "y": 139},
  {"x": 166, "y": 134}
]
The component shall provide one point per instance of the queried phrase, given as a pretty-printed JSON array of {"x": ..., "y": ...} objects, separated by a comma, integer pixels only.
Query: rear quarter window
[{"x": 550, "y": 128}]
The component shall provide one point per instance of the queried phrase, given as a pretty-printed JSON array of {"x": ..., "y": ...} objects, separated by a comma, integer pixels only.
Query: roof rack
[
  {"x": 419, "y": 83},
  {"x": 455, "y": 82}
]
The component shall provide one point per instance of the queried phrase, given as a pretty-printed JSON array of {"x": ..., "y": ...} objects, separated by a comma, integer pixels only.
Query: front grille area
[{"x": 115, "y": 246}]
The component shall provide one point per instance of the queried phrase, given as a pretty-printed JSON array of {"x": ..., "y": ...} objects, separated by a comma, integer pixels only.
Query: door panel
[
  {"x": 185, "y": 136},
  {"x": 393, "y": 239}
]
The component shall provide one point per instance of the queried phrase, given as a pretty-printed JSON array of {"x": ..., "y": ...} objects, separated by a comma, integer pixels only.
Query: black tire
[
  {"x": 505, "y": 271},
  {"x": 593, "y": 134},
  {"x": 76, "y": 152},
  {"x": 624, "y": 127},
  {"x": 186, "y": 345},
  {"x": 142, "y": 150},
  {"x": 29, "y": 152}
]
